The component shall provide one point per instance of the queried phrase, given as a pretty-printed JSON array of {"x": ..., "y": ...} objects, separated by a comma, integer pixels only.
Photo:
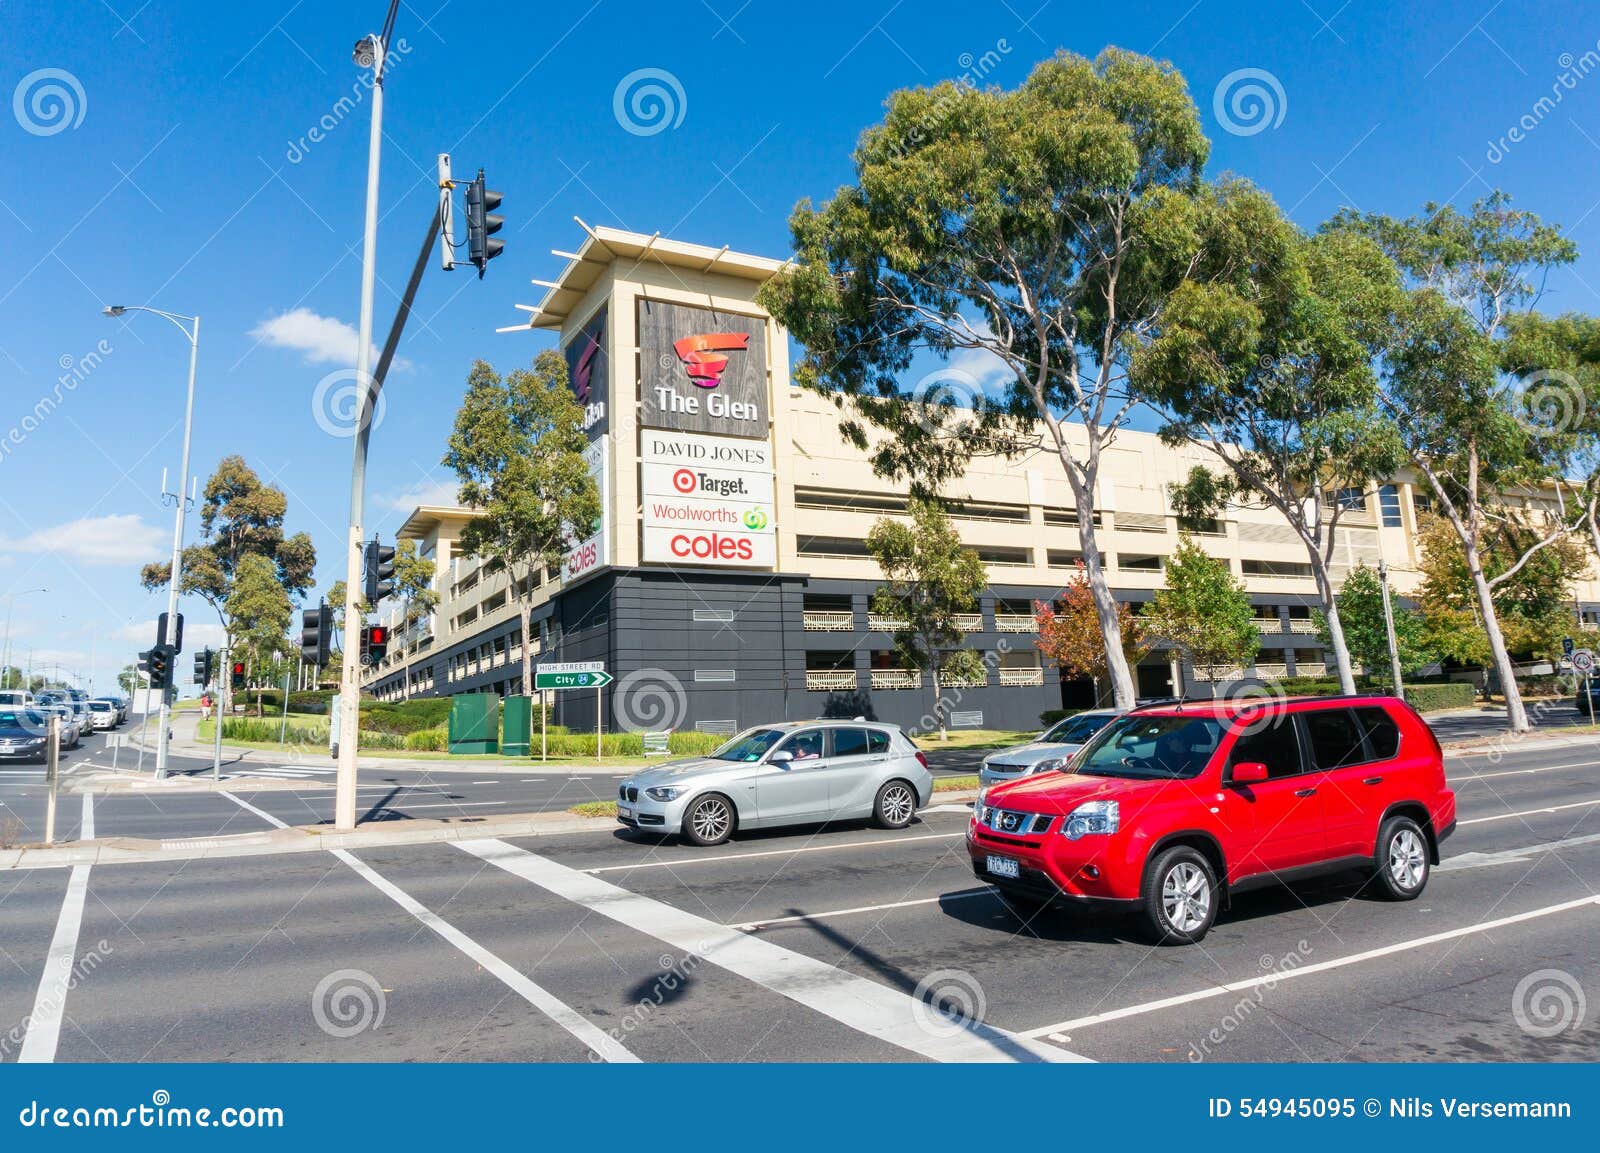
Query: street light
[
  {"x": 5, "y": 662},
  {"x": 190, "y": 327}
]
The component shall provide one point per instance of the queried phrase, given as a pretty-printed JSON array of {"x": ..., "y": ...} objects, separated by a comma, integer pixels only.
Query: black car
[
  {"x": 22, "y": 734},
  {"x": 1588, "y": 691}
]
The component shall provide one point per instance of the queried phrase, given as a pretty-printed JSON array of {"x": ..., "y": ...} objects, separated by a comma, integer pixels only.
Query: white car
[
  {"x": 1048, "y": 752},
  {"x": 102, "y": 715}
]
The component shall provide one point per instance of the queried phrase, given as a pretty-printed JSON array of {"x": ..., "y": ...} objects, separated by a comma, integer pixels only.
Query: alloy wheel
[
  {"x": 710, "y": 819},
  {"x": 898, "y": 805},
  {"x": 1408, "y": 859},
  {"x": 1186, "y": 896}
]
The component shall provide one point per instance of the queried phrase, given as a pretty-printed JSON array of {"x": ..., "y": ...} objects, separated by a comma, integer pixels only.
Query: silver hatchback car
[
  {"x": 1050, "y": 750},
  {"x": 793, "y": 773}
]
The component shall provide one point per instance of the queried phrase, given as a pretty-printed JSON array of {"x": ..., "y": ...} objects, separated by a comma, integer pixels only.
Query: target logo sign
[{"x": 685, "y": 481}]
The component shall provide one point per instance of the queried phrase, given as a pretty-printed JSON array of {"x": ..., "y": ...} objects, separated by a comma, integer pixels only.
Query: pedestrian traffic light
[
  {"x": 175, "y": 644},
  {"x": 236, "y": 676},
  {"x": 374, "y": 644},
  {"x": 379, "y": 571},
  {"x": 316, "y": 635},
  {"x": 159, "y": 666},
  {"x": 482, "y": 224},
  {"x": 202, "y": 667}
]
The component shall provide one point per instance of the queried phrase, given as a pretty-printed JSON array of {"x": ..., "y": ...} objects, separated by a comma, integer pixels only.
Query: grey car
[
  {"x": 794, "y": 773},
  {"x": 1050, "y": 750}
]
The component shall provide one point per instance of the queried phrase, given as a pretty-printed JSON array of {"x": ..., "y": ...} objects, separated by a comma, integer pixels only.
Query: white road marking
[
  {"x": 678, "y": 862},
  {"x": 1062, "y": 1030},
  {"x": 50, "y": 1002},
  {"x": 866, "y": 1006},
  {"x": 536, "y": 995},
  {"x": 957, "y": 808},
  {"x": 1531, "y": 812},
  {"x": 86, "y": 826},
  {"x": 1508, "y": 856},
  {"x": 403, "y": 804},
  {"x": 750, "y": 926},
  {"x": 1520, "y": 772}
]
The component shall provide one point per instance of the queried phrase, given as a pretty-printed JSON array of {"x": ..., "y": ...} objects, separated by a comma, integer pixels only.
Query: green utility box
[
  {"x": 474, "y": 723},
  {"x": 516, "y": 740}
]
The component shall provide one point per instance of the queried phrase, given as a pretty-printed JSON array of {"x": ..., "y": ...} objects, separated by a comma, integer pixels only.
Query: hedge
[{"x": 1431, "y": 698}]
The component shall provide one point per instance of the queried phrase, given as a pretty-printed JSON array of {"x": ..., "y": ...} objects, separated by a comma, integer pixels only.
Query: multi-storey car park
[{"x": 728, "y": 582}]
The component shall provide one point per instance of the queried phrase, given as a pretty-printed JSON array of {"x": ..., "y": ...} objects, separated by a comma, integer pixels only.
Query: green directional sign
[{"x": 581, "y": 675}]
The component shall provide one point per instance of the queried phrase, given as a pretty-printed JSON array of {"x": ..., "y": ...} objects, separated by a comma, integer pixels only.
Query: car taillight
[{"x": 922, "y": 758}]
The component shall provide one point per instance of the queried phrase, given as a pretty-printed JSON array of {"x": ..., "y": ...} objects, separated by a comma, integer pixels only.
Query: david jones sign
[{"x": 707, "y": 500}]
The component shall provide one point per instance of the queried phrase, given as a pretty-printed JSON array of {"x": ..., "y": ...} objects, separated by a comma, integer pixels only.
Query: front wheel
[
  {"x": 709, "y": 820},
  {"x": 1180, "y": 897},
  {"x": 1401, "y": 864},
  {"x": 895, "y": 805}
]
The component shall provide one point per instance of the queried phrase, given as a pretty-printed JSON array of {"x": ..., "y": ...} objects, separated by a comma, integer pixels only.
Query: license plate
[
  {"x": 624, "y": 812},
  {"x": 1003, "y": 867}
]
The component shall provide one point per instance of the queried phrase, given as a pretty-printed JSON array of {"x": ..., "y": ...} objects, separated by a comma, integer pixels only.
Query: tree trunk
[
  {"x": 1123, "y": 692},
  {"x": 1516, "y": 715},
  {"x": 938, "y": 705},
  {"x": 1330, "y": 610}
]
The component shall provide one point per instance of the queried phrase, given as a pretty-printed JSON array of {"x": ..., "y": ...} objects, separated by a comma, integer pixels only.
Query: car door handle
[
  {"x": 1372, "y": 780},
  {"x": 1305, "y": 792}
]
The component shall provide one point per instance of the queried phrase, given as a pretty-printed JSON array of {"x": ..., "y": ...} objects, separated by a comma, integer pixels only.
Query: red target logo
[{"x": 685, "y": 481}]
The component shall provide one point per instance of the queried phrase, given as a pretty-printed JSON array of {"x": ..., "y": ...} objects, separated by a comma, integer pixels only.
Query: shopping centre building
[{"x": 728, "y": 581}]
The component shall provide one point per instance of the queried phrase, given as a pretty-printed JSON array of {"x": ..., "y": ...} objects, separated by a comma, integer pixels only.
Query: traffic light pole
[
  {"x": 177, "y": 544},
  {"x": 216, "y": 737}
]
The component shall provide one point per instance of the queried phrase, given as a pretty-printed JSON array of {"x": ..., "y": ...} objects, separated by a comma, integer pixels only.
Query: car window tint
[
  {"x": 1336, "y": 737},
  {"x": 1271, "y": 742},
  {"x": 805, "y": 745},
  {"x": 1383, "y": 735},
  {"x": 877, "y": 742},
  {"x": 849, "y": 742}
]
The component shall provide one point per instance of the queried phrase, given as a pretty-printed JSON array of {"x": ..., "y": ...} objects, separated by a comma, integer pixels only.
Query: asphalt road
[{"x": 801, "y": 945}]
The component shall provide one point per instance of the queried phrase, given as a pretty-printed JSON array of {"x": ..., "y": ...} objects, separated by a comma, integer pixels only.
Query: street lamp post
[
  {"x": 11, "y": 599},
  {"x": 190, "y": 327}
]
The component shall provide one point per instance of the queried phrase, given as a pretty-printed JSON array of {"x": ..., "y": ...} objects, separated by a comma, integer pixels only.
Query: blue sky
[{"x": 183, "y": 176}]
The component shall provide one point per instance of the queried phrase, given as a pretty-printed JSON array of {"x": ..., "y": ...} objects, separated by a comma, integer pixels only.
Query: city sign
[
  {"x": 571, "y": 675},
  {"x": 701, "y": 370}
]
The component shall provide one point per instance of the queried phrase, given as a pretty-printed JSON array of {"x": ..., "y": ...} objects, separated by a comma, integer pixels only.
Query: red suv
[{"x": 1172, "y": 809}]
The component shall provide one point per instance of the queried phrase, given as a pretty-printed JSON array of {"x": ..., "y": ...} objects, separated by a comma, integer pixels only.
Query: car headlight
[
  {"x": 1092, "y": 817},
  {"x": 663, "y": 793},
  {"x": 1050, "y": 765}
]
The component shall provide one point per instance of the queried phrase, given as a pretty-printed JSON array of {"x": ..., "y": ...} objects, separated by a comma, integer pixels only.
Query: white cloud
[
  {"x": 429, "y": 490},
  {"x": 319, "y": 339},
  {"x": 979, "y": 363},
  {"x": 96, "y": 540}
]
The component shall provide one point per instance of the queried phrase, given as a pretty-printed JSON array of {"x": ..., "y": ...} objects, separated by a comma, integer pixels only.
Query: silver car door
[
  {"x": 794, "y": 788},
  {"x": 855, "y": 771}
]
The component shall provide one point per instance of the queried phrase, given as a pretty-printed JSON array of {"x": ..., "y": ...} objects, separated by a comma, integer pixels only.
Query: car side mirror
[
  {"x": 1249, "y": 773},
  {"x": 782, "y": 756}
]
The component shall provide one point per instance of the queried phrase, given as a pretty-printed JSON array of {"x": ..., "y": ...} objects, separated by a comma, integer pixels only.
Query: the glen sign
[
  {"x": 589, "y": 374},
  {"x": 707, "y": 500},
  {"x": 571, "y": 675},
  {"x": 701, "y": 370}
]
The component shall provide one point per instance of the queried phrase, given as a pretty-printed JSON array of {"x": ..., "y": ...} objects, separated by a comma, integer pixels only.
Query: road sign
[
  {"x": 1566, "y": 646},
  {"x": 1583, "y": 661},
  {"x": 582, "y": 675}
]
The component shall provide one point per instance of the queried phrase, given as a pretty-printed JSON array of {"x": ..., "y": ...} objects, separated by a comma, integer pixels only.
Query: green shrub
[
  {"x": 428, "y": 740},
  {"x": 1431, "y": 698},
  {"x": 403, "y": 717}
]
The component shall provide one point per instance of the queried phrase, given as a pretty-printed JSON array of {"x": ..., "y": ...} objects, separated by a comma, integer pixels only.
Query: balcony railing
[
  {"x": 1231, "y": 673},
  {"x": 1310, "y": 669},
  {"x": 830, "y": 680},
  {"x": 830, "y": 620},
  {"x": 1267, "y": 624},
  {"x": 1015, "y": 622},
  {"x": 953, "y": 682},
  {"x": 882, "y": 624},
  {"x": 1300, "y": 625},
  {"x": 1022, "y": 676},
  {"x": 1271, "y": 672},
  {"x": 896, "y": 679},
  {"x": 969, "y": 622}
]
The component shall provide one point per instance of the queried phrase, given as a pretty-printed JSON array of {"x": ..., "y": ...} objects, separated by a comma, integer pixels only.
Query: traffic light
[
  {"x": 482, "y": 224},
  {"x": 374, "y": 644},
  {"x": 236, "y": 675},
  {"x": 379, "y": 572},
  {"x": 202, "y": 667},
  {"x": 175, "y": 645},
  {"x": 158, "y": 665},
  {"x": 316, "y": 635}
]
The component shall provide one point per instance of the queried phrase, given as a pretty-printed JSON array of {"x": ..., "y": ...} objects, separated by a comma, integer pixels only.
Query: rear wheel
[
  {"x": 895, "y": 805},
  {"x": 710, "y": 820},
  {"x": 1180, "y": 896},
  {"x": 1401, "y": 864}
]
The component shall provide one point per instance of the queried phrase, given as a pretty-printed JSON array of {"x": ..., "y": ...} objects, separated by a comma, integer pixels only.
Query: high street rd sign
[{"x": 572, "y": 675}]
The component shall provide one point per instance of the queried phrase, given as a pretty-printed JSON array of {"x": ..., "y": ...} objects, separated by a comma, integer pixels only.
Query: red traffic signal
[
  {"x": 374, "y": 644},
  {"x": 236, "y": 674}
]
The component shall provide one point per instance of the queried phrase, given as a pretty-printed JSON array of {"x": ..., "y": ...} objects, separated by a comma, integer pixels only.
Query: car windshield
[
  {"x": 1165, "y": 747},
  {"x": 1076, "y": 730},
  {"x": 749, "y": 746}
]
